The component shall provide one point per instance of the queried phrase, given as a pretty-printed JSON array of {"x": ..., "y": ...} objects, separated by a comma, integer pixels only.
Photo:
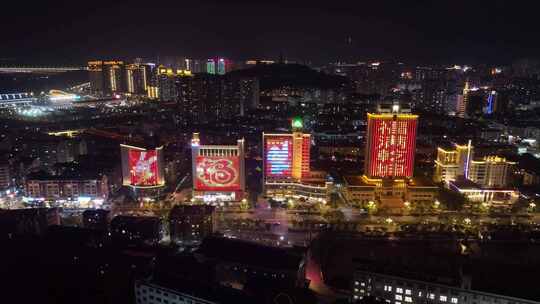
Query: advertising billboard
[
  {"x": 143, "y": 166},
  {"x": 217, "y": 173},
  {"x": 278, "y": 156}
]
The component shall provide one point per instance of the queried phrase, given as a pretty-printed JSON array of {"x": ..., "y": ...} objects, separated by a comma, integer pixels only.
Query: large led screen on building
[
  {"x": 278, "y": 156},
  {"x": 217, "y": 173},
  {"x": 391, "y": 147},
  {"x": 143, "y": 166}
]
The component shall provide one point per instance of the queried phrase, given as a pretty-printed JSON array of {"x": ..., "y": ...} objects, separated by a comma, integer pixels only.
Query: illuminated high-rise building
[
  {"x": 491, "y": 171},
  {"x": 218, "y": 171},
  {"x": 287, "y": 155},
  {"x": 390, "y": 143},
  {"x": 491, "y": 103},
  {"x": 218, "y": 65},
  {"x": 453, "y": 162},
  {"x": 107, "y": 77},
  {"x": 462, "y": 101},
  {"x": 95, "y": 75},
  {"x": 138, "y": 77},
  {"x": 142, "y": 167},
  {"x": 286, "y": 166}
]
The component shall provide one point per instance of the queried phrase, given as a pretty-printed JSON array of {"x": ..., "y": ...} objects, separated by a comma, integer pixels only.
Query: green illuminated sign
[{"x": 297, "y": 123}]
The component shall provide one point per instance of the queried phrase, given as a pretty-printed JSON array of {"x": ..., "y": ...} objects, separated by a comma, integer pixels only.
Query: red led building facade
[
  {"x": 217, "y": 173},
  {"x": 390, "y": 145},
  {"x": 278, "y": 156},
  {"x": 142, "y": 167},
  {"x": 287, "y": 156}
]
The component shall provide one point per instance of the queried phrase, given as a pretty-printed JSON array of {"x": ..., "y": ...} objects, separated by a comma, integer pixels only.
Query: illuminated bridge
[{"x": 29, "y": 69}]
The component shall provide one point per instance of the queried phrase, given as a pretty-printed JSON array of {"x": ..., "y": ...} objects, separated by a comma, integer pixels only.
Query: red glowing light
[
  {"x": 391, "y": 147},
  {"x": 217, "y": 173},
  {"x": 143, "y": 167}
]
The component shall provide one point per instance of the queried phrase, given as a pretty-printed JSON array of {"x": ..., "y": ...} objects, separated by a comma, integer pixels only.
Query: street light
[{"x": 407, "y": 205}]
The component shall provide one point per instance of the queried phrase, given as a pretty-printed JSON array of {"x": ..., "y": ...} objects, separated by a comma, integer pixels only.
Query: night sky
[{"x": 410, "y": 30}]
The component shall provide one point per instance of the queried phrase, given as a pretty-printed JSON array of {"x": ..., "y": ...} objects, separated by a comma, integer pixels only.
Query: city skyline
[{"x": 240, "y": 151}]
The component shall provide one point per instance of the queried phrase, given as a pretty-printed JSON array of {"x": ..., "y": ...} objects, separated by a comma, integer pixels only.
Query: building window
[
  {"x": 399, "y": 290},
  {"x": 443, "y": 298},
  {"x": 408, "y": 299},
  {"x": 419, "y": 294},
  {"x": 454, "y": 300},
  {"x": 356, "y": 283},
  {"x": 399, "y": 297},
  {"x": 362, "y": 284},
  {"x": 408, "y": 292},
  {"x": 431, "y": 296}
]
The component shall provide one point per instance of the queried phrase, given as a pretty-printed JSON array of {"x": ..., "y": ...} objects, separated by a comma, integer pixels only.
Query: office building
[
  {"x": 218, "y": 171},
  {"x": 286, "y": 166},
  {"x": 152, "y": 293},
  {"x": 491, "y": 171},
  {"x": 69, "y": 190},
  {"x": 389, "y": 162},
  {"x": 390, "y": 142},
  {"x": 458, "y": 161},
  {"x": 403, "y": 288},
  {"x": 5, "y": 176},
  {"x": 136, "y": 230},
  {"x": 191, "y": 223},
  {"x": 453, "y": 161}
]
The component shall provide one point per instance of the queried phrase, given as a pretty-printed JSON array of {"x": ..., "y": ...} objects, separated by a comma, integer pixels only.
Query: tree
[{"x": 452, "y": 200}]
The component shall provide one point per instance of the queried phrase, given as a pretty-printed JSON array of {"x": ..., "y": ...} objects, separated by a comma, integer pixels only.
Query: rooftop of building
[
  {"x": 421, "y": 181},
  {"x": 183, "y": 210},
  {"x": 446, "y": 272},
  {"x": 244, "y": 252},
  {"x": 138, "y": 221},
  {"x": 356, "y": 181},
  {"x": 67, "y": 175},
  {"x": 465, "y": 184},
  {"x": 393, "y": 107}
]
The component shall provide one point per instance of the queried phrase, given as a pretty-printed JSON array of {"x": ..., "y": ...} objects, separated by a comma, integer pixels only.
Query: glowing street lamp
[{"x": 407, "y": 205}]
